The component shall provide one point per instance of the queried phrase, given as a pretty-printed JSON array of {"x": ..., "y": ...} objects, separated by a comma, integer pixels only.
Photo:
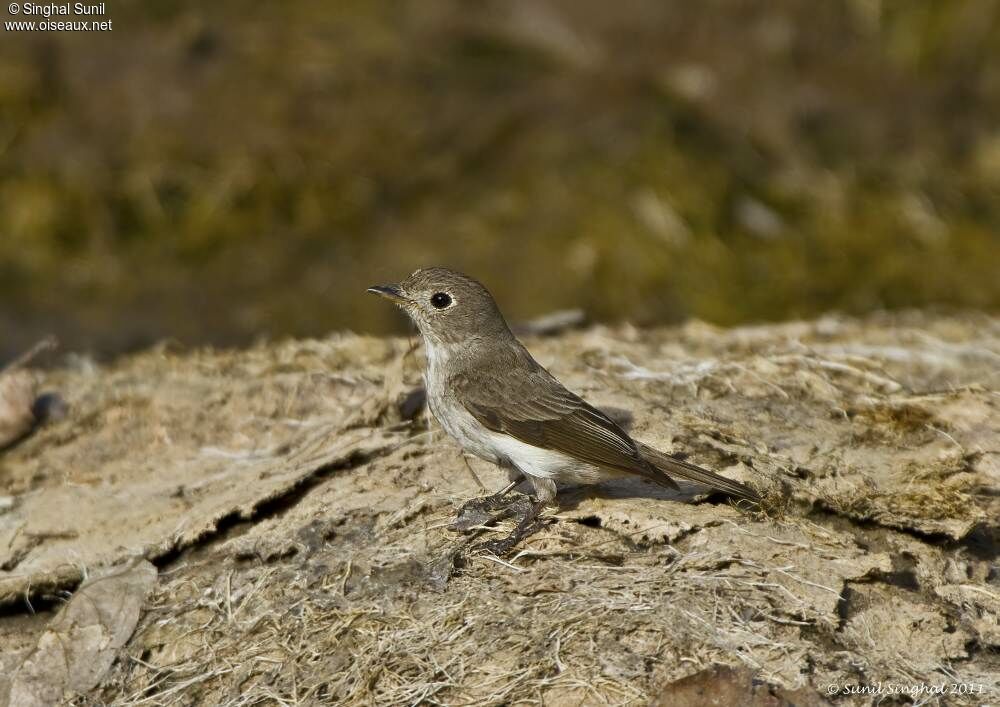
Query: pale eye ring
[{"x": 440, "y": 300}]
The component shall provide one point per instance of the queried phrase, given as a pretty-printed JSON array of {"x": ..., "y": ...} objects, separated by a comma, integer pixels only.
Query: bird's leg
[
  {"x": 475, "y": 512},
  {"x": 491, "y": 502},
  {"x": 472, "y": 472},
  {"x": 529, "y": 524}
]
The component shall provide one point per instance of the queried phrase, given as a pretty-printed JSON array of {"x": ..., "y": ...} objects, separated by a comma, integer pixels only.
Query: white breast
[{"x": 493, "y": 446}]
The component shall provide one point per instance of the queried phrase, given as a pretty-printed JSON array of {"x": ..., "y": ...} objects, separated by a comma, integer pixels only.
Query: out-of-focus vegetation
[{"x": 218, "y": 171}]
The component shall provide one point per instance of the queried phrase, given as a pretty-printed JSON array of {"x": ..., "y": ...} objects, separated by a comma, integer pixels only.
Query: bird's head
[{"x": 447, "y": 306}]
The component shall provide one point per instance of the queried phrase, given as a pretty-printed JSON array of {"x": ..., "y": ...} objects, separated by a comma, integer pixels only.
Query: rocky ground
[{"x": 269, "y": 526}]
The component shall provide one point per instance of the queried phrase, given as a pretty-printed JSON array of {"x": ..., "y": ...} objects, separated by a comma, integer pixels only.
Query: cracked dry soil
[{"x": 294, "y": 501}]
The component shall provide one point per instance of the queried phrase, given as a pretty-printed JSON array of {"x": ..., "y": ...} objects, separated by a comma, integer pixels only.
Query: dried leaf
[{"x": 82, "y": 641}]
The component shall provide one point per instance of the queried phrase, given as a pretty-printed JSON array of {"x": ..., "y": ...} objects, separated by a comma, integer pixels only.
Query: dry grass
[
  {"x": 342, "y": 585},
  {"x": 555, "y": 621}
]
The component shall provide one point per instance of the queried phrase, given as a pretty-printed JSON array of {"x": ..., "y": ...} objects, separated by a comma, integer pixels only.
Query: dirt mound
[{"x": 295, "y": 502}]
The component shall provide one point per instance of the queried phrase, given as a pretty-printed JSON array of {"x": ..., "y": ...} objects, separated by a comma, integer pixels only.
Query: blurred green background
[{"x": 216, "y": 172}]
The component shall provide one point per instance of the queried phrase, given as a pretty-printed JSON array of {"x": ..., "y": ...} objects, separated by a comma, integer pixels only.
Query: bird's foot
[
  {"x": 477, "y": 511},
  {"x": 529, "y": 524}
]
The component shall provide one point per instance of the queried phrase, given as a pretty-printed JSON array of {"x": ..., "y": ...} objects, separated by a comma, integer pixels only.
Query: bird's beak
[{"x": 390, "y": 292}]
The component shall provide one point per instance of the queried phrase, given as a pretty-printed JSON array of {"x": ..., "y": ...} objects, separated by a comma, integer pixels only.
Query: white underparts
[{"x": 544, "y": 467}]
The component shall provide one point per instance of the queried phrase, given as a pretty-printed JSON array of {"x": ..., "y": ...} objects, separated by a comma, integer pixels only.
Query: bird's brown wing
[{"x": 537, "y": 410}]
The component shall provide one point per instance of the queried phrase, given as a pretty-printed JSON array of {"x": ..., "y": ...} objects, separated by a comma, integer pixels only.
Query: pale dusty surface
[{"x": 299, "y": 523}]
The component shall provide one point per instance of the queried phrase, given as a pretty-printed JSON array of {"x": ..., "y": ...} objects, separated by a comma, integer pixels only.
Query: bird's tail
[{"x": 675, "y": 467}]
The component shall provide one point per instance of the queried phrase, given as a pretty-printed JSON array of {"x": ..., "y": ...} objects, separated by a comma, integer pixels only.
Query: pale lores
[{"x": 501, "y": 405}]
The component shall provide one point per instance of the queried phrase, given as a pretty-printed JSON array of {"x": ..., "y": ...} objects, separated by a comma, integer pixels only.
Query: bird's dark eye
[{"x": 440, "y": 300}]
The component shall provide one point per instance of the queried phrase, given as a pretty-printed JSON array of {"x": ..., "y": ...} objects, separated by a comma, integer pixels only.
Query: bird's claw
[
  {"x": 475, "y": 513},
  {"x": 529, "y": 524},
  {"x": 470, "y": 518}
]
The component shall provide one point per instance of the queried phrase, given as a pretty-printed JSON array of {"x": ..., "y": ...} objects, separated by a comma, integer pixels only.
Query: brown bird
[{"x": 491, "y": 396}]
